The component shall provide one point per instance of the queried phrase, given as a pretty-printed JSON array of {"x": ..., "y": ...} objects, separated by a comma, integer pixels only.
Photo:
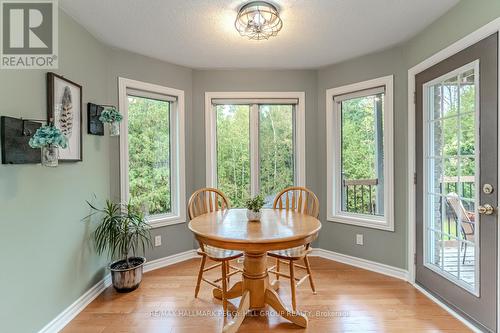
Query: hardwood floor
[{"x": 348, "y": 300}]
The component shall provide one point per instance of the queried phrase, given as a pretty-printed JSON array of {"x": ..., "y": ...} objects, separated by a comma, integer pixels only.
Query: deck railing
[{"x": 360, "y": 196}]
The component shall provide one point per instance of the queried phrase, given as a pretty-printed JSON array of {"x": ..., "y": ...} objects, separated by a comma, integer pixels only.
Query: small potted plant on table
[
  {"x": 121, "y": 232},
  {"x": 254, "y": 206}
]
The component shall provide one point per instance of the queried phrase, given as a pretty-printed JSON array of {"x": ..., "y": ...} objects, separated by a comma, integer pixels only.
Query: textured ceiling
[{"x": 201, "y": 34}]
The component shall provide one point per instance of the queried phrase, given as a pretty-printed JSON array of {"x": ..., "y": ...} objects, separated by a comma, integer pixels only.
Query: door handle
[{"x": 487, "y": 209}]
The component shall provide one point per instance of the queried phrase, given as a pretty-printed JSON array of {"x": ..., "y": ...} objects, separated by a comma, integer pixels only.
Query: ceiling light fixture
[{"x": 258, "y": 20}]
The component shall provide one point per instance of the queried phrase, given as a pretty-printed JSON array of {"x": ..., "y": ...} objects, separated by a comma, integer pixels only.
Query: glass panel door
[
  {"x": 456, "y": 136},
  {"x": 451, "y": 172}
]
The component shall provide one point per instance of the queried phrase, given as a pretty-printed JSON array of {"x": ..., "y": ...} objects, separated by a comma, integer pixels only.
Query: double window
[
  {"x": 254, "y": 144},
  {"x": 359, "y": 154},
  {"x": 152, "y": 150}
]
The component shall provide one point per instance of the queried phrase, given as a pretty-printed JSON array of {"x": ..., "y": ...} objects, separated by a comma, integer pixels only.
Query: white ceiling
[{"x": 201, "y": 33}]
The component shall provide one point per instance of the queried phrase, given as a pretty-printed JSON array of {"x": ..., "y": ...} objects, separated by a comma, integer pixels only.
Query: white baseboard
[
  {"x": 170, "y": 260},
  {"x": 447, "y": 308},
  {"x": 74, "y": 309},
  {"x": 390, "y": 271},
  {"x": 369, "y": 265}
]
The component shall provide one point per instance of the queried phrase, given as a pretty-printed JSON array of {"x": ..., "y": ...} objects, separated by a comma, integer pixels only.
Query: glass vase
[
  {"x": 50, "y": 156},
  {"x": 114, "y": 128}
]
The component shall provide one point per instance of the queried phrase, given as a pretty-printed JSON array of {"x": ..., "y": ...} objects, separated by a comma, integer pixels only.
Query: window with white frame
[
  {"x": 255, "y": 143},
  {"x": 152, "y": 150},
  {"x": 359, "y": 154}
]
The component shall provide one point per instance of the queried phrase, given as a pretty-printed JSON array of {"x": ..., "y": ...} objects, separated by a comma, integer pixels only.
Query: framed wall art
[
  {"x": 64, "y": 110},
  {"x": 95, "y": 126}
]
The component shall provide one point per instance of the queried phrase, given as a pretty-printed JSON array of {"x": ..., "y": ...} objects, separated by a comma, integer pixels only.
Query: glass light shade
[{"x": 258, "y": 20}]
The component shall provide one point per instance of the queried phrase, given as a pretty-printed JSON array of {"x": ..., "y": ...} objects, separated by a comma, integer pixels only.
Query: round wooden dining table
[{"x": 277, "y": 230}]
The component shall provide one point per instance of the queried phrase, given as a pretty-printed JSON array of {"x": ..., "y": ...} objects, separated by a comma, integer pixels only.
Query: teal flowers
[
  {"x": 110, "y": 115},
  {"x": 48, "y": 136}
]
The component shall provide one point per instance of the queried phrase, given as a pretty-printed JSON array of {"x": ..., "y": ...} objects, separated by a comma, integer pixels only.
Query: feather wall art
[
  {"x": 66, "y": 118},
  {"x": 64, "y": 101}
]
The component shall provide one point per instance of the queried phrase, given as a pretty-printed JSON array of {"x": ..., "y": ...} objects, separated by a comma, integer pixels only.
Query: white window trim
[
  {"x": 178, "y": 180},
  {"x": 334, "y": 213},
  {"x": 210, "y": 133}
]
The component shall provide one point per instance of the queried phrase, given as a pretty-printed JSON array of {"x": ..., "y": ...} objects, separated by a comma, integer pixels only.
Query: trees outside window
[{"x": 274, "y": 153}]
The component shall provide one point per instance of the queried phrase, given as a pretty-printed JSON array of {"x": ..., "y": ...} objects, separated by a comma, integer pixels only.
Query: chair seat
[
  {"x": 219, "y": 254},
  {"x": 293, "y": 253}
]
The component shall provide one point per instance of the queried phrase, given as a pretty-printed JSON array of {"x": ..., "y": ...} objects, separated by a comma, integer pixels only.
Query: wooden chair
[
  {"x": 301, "y": 200},
  {"x": 201, "y": 202},
  {"x": 463, "y": 217}
]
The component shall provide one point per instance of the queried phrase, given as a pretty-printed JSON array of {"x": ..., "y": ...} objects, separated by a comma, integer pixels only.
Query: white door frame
[{"x": 471, "y": 39}]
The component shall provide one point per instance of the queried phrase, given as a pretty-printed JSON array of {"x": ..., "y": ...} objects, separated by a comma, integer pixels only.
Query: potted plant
[
  {"x": 254, "y": 206},
  {"x": 121, "y": 232},
  {"x": 49, "y": 139},
  {"x": 111, "y": 116}
]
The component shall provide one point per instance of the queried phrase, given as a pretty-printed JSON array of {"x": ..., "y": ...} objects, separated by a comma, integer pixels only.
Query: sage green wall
[
  {"x": 464, "y": 18},
  {"x": 382, "y": 246},
  {"x": 254, "y": 80},
  {"x": 48, "y": 262},
  {"x": 176, "y": 238}
]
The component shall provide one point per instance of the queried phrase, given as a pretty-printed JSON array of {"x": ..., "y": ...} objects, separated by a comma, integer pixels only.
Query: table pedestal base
[{"x": 256, "y": 291}]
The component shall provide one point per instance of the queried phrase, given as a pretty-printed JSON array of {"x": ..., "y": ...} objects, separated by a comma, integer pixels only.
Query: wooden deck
[{"x": 453, "y": 262}]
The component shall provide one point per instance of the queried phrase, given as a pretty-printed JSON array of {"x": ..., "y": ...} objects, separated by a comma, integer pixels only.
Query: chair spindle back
[
  {"x": 299, "y": 199},
  {"x": 206, "y": 200}
]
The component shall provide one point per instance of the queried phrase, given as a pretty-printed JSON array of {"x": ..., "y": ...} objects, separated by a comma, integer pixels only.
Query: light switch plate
[{"x": 359, "y": 239}]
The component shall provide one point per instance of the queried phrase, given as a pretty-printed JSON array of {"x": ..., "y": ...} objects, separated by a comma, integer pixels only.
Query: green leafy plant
[
  {"x": 121, "y": 232},
  {"x": 110, "y": 115},
  {"x": 48, "y": 136},
  {"x": 255, "y": 204}
]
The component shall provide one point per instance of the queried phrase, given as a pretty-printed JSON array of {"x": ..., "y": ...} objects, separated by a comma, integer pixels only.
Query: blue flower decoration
[
  {"x": 110, "y": 115},
  {"x": 48, "y": 136}
]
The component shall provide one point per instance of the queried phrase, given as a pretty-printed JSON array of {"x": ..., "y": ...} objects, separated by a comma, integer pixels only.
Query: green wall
[
  {"x": 176, "y": 238},
  {"x": 51, "y": 262},
  {"x": 253, "y": 80},
  {"x": 382, "y": 246},
  {"x": 48, "y": 261}
]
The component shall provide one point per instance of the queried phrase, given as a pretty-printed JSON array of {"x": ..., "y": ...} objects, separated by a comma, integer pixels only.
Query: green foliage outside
[
  {"x": 149, "y": 147},
  {"x": 358, "y": 138},
  {"x": 454, "y": 146},
  {"x": 276, "y": 150},
  {"x": 149, "y": 154},
  {"x": 459, "y": 132},
  {"x": 359, "y": 155},
  {"x": 233, "y": 151}
]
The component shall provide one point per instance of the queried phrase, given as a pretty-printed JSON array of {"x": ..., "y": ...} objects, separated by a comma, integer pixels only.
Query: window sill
[
  {"x": 362, "y": 222},
  {"x": 163, "y": 221}
]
